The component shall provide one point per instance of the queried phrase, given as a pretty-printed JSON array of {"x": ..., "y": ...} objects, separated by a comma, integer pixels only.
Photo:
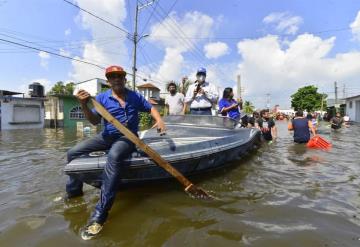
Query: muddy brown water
[{"x": 281, "y": 195}]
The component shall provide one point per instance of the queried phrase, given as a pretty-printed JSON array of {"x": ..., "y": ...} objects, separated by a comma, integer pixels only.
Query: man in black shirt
[
  {"x": 267, "y": 126},
  {"x": 336, "y": 121}
]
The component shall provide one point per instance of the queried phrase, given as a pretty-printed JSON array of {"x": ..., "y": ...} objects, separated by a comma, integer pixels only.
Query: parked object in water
[
  {"x": 319, "y": 142},
  {"x": 193, "y": 145}
]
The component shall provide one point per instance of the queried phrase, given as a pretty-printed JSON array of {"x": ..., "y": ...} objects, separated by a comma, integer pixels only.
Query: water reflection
[{"x": 280, "y": 195}]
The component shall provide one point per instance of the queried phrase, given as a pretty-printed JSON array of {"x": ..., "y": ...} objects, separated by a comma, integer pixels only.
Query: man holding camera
[{"x": 201, "y": 95}]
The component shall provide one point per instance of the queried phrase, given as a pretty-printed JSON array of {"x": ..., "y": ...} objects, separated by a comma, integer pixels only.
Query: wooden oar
[{"x": 189, "y": 187}]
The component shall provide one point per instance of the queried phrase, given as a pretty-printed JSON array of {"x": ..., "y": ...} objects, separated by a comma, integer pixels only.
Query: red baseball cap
[{"x": 115, "y": 69}]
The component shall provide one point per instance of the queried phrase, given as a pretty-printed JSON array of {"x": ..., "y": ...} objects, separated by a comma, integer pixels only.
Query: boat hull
[{"x": 213, "y": 152}]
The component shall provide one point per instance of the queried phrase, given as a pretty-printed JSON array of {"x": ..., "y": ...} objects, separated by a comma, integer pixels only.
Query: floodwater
[{"x": 281, "y": 195}]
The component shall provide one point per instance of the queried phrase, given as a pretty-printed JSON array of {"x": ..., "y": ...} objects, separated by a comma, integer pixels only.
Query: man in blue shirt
[
  {"x": 228, "y": 106},
  {"x": 124, "y": 105}
]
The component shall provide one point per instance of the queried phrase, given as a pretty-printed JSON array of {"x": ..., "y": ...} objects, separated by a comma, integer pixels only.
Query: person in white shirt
[
  {"x": 174, "y": 102},
  {"x": 201, "y": 95}
]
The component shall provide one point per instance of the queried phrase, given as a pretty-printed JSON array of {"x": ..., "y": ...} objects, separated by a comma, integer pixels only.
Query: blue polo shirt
[
  {"x": 233, "y": 113},
  {"x": 128, "y": 116}
]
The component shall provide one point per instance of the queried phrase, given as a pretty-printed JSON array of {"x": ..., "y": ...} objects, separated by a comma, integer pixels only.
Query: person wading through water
[
  {"x": 301, "y": 126},
  {"x": 336, "y": 121},
  {"x": 267, "y": 126},
  {"x": 125, "y": 106}
]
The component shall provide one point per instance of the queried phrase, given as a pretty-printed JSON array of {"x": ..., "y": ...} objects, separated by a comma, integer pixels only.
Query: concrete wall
[
  {"x": 21, "y": 113},
  {"x": 150, "y": 93},
  {"x": 353, "y": 108},
  {"x": 93, "y": 87}
]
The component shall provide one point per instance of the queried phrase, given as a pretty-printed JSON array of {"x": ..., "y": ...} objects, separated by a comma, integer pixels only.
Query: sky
[{"x": 276, "y": 46}]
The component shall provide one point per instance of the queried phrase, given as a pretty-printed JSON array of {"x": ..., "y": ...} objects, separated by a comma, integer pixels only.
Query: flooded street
[{"x": 281, "y": 195}]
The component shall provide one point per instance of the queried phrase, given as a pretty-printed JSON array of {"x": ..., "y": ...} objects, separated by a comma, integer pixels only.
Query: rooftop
[
  {"x": 351, "y": 97},
  {"x": 148, "y": 85},
  {"x": 6, "y": 93}
]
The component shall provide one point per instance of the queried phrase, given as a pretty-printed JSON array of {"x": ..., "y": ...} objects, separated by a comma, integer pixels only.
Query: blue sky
[{"x": 276, "y": 46}]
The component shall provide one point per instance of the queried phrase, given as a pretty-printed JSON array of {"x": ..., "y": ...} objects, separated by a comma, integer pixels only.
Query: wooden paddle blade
[{"x": 197, "y": 192}]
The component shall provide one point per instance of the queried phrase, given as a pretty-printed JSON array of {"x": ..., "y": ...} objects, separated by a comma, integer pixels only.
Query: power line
[
  {"x": 52, "y": 53},
  {"x": 147, "y": 22},
  {"x": 88, "y": 12},
  {"x": 130, "y": 18},
  {"x": 67, "y": 57},
  {"x": 198, "y": 52}
]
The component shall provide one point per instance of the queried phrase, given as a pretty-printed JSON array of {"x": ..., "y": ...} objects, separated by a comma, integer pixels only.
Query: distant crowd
[{"x": 202, "y": 97}]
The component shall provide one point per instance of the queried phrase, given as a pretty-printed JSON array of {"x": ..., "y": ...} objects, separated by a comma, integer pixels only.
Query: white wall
[
  {"x": 18, "y": 113},
  {"x": 146, "y": 92},
  {"x": 354, "y": 111},
  {"x": 93, "y": 87}
]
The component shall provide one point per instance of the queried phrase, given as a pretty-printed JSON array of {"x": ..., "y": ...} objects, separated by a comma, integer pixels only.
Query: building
[
  {"x": 332, "y": 107},
  {"x": 353, "y": 108},
  {"x": 20, "y": 112},
  {"x": 64, "y": 111},
  {"x": 151, "y": 94},
  {"x": 92, "y": 86}
]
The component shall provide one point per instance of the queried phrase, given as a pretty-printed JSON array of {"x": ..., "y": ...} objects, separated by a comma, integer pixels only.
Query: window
[
  {"x": 77, "y": 113},
  {"x": 350, "y": 104},
  {"x": 26, "y": 114},
  {"x": 61, "y": 105}
]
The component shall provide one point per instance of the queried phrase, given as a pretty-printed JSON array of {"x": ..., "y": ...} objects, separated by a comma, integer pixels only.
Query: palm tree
[
  {"x": 248, "y": 107},
  {"x": 185, "y": 83}
]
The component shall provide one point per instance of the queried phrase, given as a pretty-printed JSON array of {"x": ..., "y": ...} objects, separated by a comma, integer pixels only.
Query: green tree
[
  {"x": 60, "y": 89},
  {"x": 145, "y": 120},
  {"x": 184, "y": 85},
  {"x": 69, "y": 88},
  {"x": 181, "y": 87},
  {"x": 248, "y": 107},
  {"x": 307, "y": 98}
]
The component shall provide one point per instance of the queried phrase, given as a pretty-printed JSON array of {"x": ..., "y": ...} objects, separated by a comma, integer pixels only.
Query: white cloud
[
  {"x": 24, "y": 87},
  {"x": 355, "y": 27},
  {"x": 192, "y": 24},
  {"x": 104, "y": 55},
  {"x": 284, "y": 22},
  {"x": 64, "y": 52},
  {"x": 67, "y": 32},
  {"x": 267, "y": 67},
  {"x": 44, "y": 59},
  {"x": 216, "y": 49}
]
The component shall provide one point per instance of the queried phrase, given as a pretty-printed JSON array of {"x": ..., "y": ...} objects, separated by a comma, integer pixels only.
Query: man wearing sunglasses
[{"x": 125, "y": 106}]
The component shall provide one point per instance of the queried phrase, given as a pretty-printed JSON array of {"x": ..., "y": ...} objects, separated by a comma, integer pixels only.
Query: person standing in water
[
  {"x": 267, "y": 126},
  {"x": 301, "y": 127},
  {"x": 336, "y": 121}
]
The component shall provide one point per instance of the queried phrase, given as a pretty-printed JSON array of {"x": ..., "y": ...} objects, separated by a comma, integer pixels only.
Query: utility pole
[
  {"x": 322, "y": 103},
  {"x": 239, "y": 86},
  {"x": 268, "y": 100},
  {"x": 336, "y": 96},
  {"x": 136, "y": 38},
  {"x": 344, "y": 91}
]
